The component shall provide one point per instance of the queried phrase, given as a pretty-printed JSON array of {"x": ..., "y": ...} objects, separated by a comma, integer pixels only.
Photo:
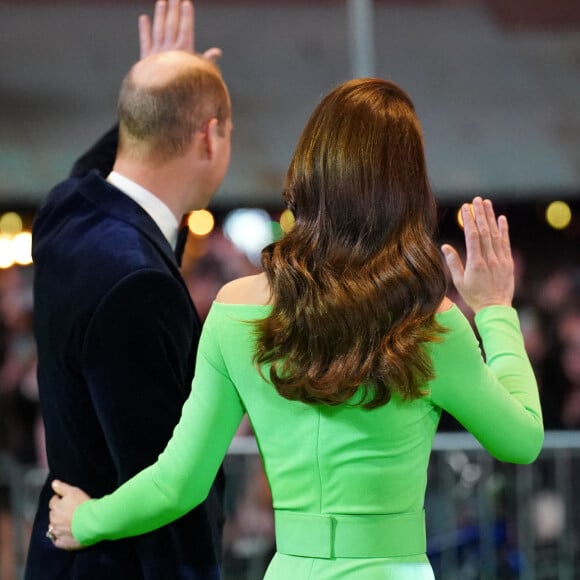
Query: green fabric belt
[{"x": 348, "y": 536}]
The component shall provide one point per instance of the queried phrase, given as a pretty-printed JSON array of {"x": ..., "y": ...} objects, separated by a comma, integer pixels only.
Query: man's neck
[{"x": 160, "y": 180}]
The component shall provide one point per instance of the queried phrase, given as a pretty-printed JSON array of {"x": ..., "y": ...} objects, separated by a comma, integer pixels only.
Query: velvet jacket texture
[{"x": 117, "y": 336}]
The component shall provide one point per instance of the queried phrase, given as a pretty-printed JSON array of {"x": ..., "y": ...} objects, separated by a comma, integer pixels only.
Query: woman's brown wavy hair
[{"x": 356, "y": 283}]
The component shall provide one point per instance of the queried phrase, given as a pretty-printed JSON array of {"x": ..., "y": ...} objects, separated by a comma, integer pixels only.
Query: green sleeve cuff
[
  {"x": 497, "y": 312},
  {"x": 82, "y": 516},
  {"x": 499, "y": 328}
]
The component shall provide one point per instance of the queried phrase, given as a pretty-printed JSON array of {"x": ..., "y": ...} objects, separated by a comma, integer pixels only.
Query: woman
[{"x": 343, "y": 353}]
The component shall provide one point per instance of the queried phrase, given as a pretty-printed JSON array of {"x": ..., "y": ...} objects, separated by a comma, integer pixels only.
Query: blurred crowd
[{"x": 549, "y": 309}]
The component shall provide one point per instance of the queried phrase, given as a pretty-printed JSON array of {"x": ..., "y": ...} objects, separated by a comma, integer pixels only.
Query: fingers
[
  {"x": 483, "y": 227},
  {"x": 486, "y": 237},
  {"x": 53, "y": 501},
  {"x": 172, "y": 23},
  {"x": 492, "y": 226},
  {"x": 61, "y": 509},
  {"x": 504, "y": 236},
  {"x": 471, "y": 232},
  {"x": 144, "y": 35},
  {"x": 171, "y": 29},
  {"x": 489, "y": 234},
  {"x": 62, "y": 538},
  {"x": 185, "y": 34},
  {"x": 59, "y": 489},
  {"x": 493, "y": 233},
  {"x": 158, "y": 32},
  {"x": 454, "y": 264},
  {"x": 59, "y": 542}
]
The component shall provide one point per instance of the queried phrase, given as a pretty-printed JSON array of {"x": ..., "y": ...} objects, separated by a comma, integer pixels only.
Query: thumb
[
  {"x": 60, "y": 487},
  {"x": 453, "y": 263},
  {"x": 213, "y": 54}
]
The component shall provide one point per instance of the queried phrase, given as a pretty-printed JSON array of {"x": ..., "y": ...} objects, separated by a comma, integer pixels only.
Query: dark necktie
[{"x": 181, "y": 239}]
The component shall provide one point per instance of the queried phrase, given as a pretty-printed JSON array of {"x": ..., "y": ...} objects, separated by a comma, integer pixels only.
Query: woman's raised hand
[{"x": 487, "y": 279}]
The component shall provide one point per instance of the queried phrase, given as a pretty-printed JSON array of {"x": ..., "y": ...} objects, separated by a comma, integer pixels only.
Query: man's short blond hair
[{"x": 163, "y": 102}]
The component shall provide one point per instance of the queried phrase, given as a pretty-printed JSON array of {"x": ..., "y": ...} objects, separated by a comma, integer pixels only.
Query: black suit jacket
[{"x": 117, "y": 335}]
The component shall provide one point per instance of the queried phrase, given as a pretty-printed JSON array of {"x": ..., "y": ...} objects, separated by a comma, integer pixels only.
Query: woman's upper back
[
  {"x": 317, "y": 456},
  {"x": 256, "y": 290}
]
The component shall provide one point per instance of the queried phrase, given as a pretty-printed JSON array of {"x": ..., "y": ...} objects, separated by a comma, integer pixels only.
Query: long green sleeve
[
  {"x": 497, "y": 402},
  {"x": 183, "y": 474}
]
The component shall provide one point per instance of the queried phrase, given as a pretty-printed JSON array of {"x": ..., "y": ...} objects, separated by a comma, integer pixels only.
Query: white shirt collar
[{"x": 159, "y": 212}]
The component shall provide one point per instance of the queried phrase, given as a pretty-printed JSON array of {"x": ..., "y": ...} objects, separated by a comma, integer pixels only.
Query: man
[{"x": 116, "y": 329}]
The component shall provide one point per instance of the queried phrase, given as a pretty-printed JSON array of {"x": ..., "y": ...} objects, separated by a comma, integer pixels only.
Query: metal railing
[
  {"x": 489, "y": 520},
  {"x": 19, "y": 489},
  {"x": 486, "y": 520}
]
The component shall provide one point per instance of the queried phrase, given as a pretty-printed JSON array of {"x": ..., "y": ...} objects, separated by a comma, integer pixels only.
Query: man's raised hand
[{"x": 172, "y": 29}]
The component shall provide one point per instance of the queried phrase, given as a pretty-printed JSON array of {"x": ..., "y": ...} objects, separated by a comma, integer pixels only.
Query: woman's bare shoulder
[
  {"x": 247, "y": 290},
  {"x": 446, "y": 304}
]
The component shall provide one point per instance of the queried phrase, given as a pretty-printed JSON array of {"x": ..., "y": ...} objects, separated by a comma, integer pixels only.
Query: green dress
[{"x": 348, "y": 484}]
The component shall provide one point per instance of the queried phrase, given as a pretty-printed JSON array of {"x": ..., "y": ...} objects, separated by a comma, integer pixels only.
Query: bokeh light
[
  {"x": 22, "y": 248},
  {"x": 558, "y": 215},
  {"x": 201, "y": 222},
  {"x": 286, "y": 221},
  {"x": 6, "y": 253},
  {"x": 10, "y": 223},
  {"x": 249, "y": 230},
  {"x": 460, "y": 216}
]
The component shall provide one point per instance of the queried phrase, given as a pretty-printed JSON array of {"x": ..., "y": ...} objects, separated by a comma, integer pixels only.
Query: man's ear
[{"x": 210, "y": 135}]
